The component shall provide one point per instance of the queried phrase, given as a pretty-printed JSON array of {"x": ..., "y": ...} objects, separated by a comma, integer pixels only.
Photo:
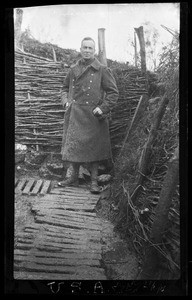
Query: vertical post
[
  {"x": 54, "y": 55},
  {"x": 135, "y": 47},
  {"x": 145, "y": 156},
  {"x": 141, "y": 107},
  {"x": 18, "y": 22},
  {"x": 22, "y": 48},
  {"x": 140, "y": 35},
  {"x": 101, "y": 43}
]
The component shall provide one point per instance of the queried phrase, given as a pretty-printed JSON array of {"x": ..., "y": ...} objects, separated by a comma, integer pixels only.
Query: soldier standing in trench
[{"x": 86, "y": 131}]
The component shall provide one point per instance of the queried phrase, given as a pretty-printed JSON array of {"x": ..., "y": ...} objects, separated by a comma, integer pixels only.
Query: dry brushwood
[
  {"x": 153, "y": 187},
  {"x": 160, "y": 221},
  {"x": 147, "y": 148}
]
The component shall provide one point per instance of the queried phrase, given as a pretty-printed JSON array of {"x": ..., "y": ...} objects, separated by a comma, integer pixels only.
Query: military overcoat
[{"x": 86, "y": 137}]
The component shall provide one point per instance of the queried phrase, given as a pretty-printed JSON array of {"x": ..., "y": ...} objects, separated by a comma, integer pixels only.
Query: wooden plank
[
  {"x": 68, "y": 254},
  {"x": 60, "y": 229},
  {"x": 57, "y": 231},
  {"x": 71, "y": 237},
  {"x": 51, "y": 248},
  {"x": 61, "y": 218},
  {"x": 60, "y": 269},
  {"x": 62, "y": 197},
  {"x": 26, "y": 241},
  {"x": 75, "y": 232},
  {"x": 23, "y": 247},
  {"x": 66, "y": 206},
  {"x": 91, "y": 215},
  {"x": 37, "y": 187},
  {"x": 46, "y": 187},
  {"x": 25, "y": 234},
  {"x": 34, "y": 227},
  {"x": 76, "y": 219},
  {"x": 63, "y": 200},
  {"x": 86, "y": 241},
  {"x": 65, "y": 211},
  {"x": 69, "y": 195},
  {"x": 64, "y": 203},
  {"x": 74, "y": 244},
  {"x": 55, "y": 276},
  {"x": 56, "y": 261},
  {"x": 80, "y": 188},
  {"x": 71, "y": 192},
  {"x": 66, "y": 223},
  {"x": 63, "y": 243},
  {"x": 93, "y": 238},
  {"x": 69, "y": 213},
  {"x": 29, "y": 230},
  {"x": 28, "y": 187},
  {"x": 72, "y": 189},
  {"x": 20, "y": 185},
  {"x": 50, "y": 234},
  {"x": 86, "y": 195},
  {"x": 79, "y": 247},
  {"x": 70, "y": 217},
  {"x": 74, "y": 195}
]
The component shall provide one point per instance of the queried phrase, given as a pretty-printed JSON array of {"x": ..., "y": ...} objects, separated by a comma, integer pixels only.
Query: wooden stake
[
  {"x": 54, "y": 55},
  {"x": 135, "y": 47},
  {"x": 137, "y": 116},
  {"x": 148, "y": 146},
  {"x": 24, "y": 58},
  {"x": 140, "y": 35},
  {"x": 101, "y": 43},
  {"x": 18, "y": 22}
]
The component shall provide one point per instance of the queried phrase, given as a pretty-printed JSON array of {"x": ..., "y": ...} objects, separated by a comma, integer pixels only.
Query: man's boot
[
  {"x": 95, "y": 189},
  {"x": 73, "y": 180}
]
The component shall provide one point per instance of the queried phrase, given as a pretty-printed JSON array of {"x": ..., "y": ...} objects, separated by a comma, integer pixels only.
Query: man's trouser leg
[
  {"x": 73, "y": 179},
  {"x": 95, "y": 189}
]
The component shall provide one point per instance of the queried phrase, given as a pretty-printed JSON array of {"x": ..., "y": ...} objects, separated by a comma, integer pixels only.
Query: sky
[{"x": 67, "y": 25}]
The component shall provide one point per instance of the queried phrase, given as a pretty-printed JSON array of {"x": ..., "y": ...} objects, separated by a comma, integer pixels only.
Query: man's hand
[
  {"x": 64, "y": 100},
  {"x": 97, "y": 111}
]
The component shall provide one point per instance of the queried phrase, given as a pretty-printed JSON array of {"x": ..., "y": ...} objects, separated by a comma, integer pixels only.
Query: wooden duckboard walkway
[
  {"x": 63, "y": 243},
  {"x": 32, "y": 187}
]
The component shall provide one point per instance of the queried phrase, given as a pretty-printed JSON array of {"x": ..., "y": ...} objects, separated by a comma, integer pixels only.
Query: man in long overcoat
[{"x": 89, "y": 93}]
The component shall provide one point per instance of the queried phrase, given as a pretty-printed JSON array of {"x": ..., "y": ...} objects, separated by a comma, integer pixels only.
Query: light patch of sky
[{"x": 67, "y": 25}]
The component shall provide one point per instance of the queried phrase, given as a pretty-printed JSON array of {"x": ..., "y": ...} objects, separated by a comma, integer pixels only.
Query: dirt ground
[{"x": 117, "y": 258}]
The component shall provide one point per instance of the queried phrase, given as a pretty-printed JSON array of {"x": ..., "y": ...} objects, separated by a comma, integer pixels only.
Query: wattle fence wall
[{"x": 38, "y": 110}]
